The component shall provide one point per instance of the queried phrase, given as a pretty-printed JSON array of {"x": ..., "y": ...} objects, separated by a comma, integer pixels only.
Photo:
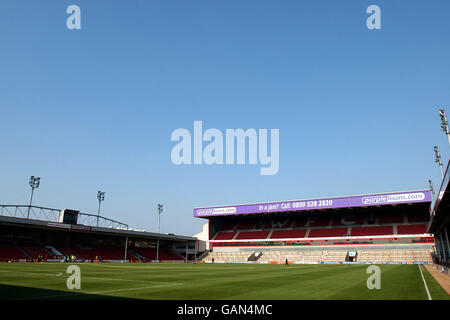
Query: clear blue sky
[{"x": 93, "y": 109}]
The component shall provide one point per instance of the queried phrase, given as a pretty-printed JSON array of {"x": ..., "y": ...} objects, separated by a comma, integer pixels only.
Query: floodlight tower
[
  {"x": 100, "y": 197},
  {"x": 438, "y": 160},
  {"x": 160, "y": 210},
  {"x": 34, "y": 183},
  {"x": 444, "y": 123}
]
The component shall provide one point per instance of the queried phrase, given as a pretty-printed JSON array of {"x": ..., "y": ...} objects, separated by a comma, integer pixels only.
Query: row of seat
[
  {"x": 395, "y": 255},
  {"x": 227, "y": 257},
  {"x": 163, "y": 254},
  {"x": 10, "y": 252},
  {"x": 321, "y": 232},
  {"x": 324, "y": 221},
  {"x": 324, "y": 256}
]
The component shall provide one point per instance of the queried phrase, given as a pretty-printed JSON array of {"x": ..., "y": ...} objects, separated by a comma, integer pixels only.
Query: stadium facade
[{"x": 373, "y": 228}]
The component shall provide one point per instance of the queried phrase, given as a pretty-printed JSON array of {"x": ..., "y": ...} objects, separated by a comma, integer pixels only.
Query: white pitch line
[{"x": 425, "y": 283}]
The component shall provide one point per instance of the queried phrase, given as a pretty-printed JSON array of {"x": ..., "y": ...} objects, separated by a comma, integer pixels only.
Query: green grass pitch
[{"x": 25, "y": 281}]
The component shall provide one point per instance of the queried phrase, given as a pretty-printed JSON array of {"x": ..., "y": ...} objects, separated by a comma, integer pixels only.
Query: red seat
[
  {"x": 280, "y": 234},
  {"x": 36, "y": 251},
  {"x": 120, "y": 252},
  {"x": 91, "y": 253},
  {"x": 11, "y": 252},
  {"x": 150, "y": 254},
  {"x": 412, "y": 229},
  {"x": 372, "y": 231},
  {"x": 68, "y": 251},
  {"x": 334, "y": 232},
  {"x": 253, "y": 235},
  {"x": 225, "y": 236}
]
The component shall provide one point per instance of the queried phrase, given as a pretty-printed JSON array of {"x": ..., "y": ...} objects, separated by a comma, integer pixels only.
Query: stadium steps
[
  {"x": 252, "y": 257},
  {"x": 307, "y": 233},
  {"x": 202, "y": 256},
  {"x": 25, "y": 252},
  {"x": 255, "y": 256},
  {"x": 135, "y": 254},
  {"x": 53, "y": 251}
]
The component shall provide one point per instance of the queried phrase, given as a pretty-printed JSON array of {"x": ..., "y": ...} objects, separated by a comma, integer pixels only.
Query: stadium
[
  {"x": 218, "y": 111},
  {"x": 246, "y": 251}
]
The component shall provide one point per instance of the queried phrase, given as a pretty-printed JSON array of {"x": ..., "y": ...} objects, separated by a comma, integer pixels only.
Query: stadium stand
[
  {"x": 246, "y": 225},
  {"x": 10, "y": 252},
  {"x": 43, "y": 237},
  {"x": 91, "y": 253},
  {"x": 36, "y": 252},
  {"x": 119, "y": 252},
  {"x": 292, "y": 256},
  {"x": 386, "y": 227},
  {"x": 227, "y": 257},
  {"x": 395, "y": 255},
  {"x": 300, "y": 222},
  {"x": 319, "y": 222},
  {"x": 284, "y": 234},
  {"x": 225, "y": 236},
  {"x": 332, "y": 232},
  {"x": 372, "y": 231},
  {"x": 228, "y": 226},
  {"x": 68, "y": 251},
  {"x": 252, "y": 235},
  {"x": 325, "y": 256},
  {"x": 348, "y": 220},
  {"x": 390, "y": 219},
  {"x": 150, "y": 254},
  {"x": 412, "y": 229},
  {"x": 418, "y": 217},
  {"x": 278, "y": 224}
]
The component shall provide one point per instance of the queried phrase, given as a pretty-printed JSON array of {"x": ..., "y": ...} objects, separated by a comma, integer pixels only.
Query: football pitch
[{"x": 35, "y": 281}]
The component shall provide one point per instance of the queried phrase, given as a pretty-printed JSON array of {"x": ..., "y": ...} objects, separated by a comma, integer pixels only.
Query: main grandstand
[
  {"x": 31, "y": 233},
  {"x": 374, "y": 228}
]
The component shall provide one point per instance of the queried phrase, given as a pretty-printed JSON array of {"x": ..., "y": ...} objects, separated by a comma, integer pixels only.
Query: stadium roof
[
  {"x": 379, "y": 199},
  {"x": 50, "y": 225},
  {"x": 442, "y": 204}
]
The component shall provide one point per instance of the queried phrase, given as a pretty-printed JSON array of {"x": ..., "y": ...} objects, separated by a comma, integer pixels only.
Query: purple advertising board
[{"x": 317, "y": 204}]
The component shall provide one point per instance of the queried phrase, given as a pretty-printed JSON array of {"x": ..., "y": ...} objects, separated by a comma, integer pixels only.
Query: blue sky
[{"x": 93, "y": 109}]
